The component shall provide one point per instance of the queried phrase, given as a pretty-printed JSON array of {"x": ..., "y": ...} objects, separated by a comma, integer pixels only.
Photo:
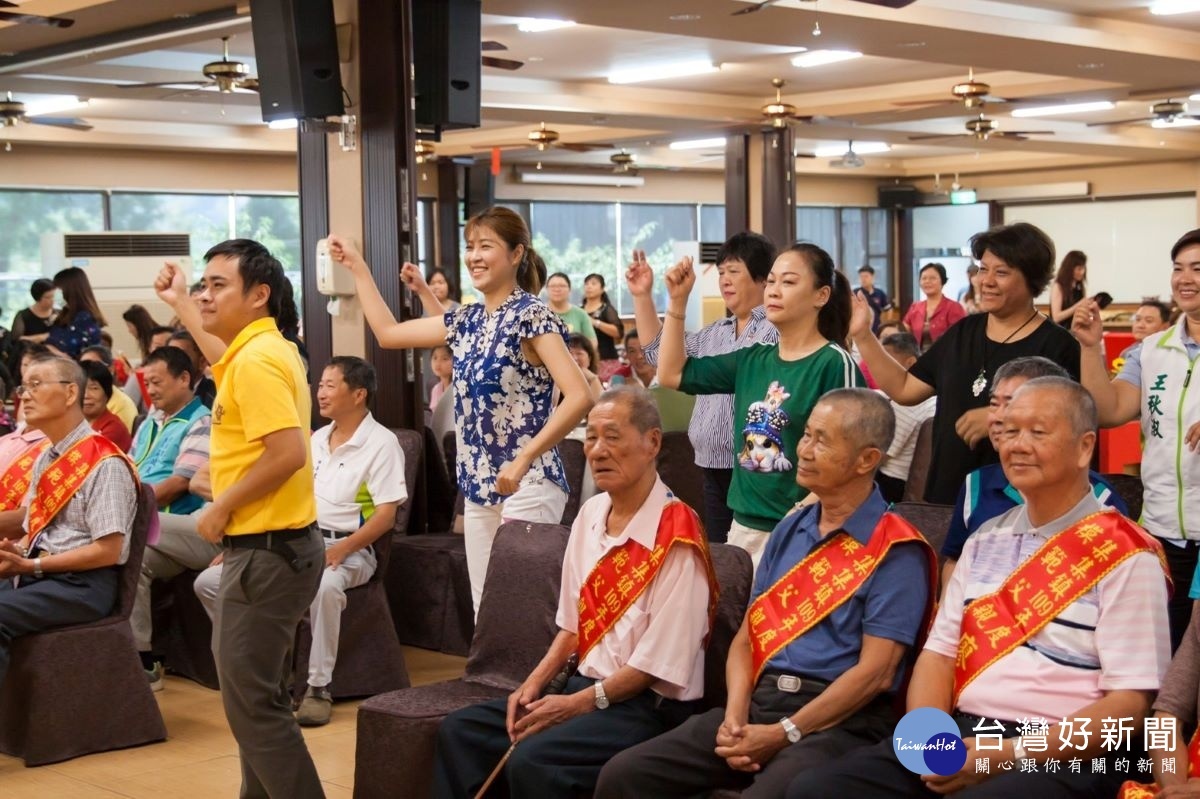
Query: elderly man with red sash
[
  {"x": 19, "y": 450},
  {"x": 81, "y": 506},
  {"x": 843, "y": 590},
  {"x": 1053, "y": 626},
  {"x": 636, "y": 604}
]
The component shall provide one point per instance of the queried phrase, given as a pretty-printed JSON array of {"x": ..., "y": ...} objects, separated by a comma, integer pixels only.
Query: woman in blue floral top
[
  {"x": 78, "y": 324},
  {"x": 509, "y": 354}
]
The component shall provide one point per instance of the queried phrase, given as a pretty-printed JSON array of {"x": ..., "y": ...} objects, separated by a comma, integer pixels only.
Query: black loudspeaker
[
  {"x": 899, "y": 196},
  {"x": 480, "y": 191},
  {"x": 295, "y": 45},
  {"x": 446, "y": 62}
]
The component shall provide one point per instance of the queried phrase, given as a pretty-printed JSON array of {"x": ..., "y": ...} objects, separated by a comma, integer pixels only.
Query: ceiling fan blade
[
  {"x": 583, "y": 148},
  {"x": 509, "y": 146},
  {"x": 931, "y": 136},
  {"x": 927, "y": 103},
  {"x": 491, "y": 46},
  {"x": 889, "y": 3},
  {"x": 31, "y": 19},
  {"x": 753, "y": 8},
  {"x": 1121, "y": 122},
  {"x": 501, "y": 63},
  {"x": 806, "y": 155},
  {"x": 1023, "y": 132},
  {"x": 161, "y": 84},
  {"x": 60, "y": 122}
]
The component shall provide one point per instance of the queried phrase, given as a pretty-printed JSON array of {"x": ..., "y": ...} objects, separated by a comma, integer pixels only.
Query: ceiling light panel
[
  {"x": 820, "y": 58},
  {"x": 677, "y": 69},
  {"x": 53, "y": 105},
  {"x": 1180, "y": 122},
  {"x": 859, "y": 147},
  {"x": 537, "y": 25},
  {"x": 697, "y": 144},
  {"x": 1167, "y": 7},
  {"x": 571, "y": 179}
]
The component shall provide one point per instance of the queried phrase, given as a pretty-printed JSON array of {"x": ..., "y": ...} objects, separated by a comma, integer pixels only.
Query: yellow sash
[
  {"x": 1058, "y": 573},
  {"x": 1136, "y": 790},
  {"x": 820, "y": 583},
  {"x": 65, "y": 476},
  {"x": 14, "y": 483},
  {"x": 620, "y": 577}
]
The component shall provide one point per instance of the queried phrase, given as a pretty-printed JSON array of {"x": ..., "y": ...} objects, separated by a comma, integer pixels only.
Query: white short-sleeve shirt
[{"x": 365, "y": 472}]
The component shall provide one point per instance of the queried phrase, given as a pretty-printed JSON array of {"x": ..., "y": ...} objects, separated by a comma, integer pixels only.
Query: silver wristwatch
[
  {"x": 1018, "y": 750},
  {"x": 791, "y": 730},
  {"x": 601, "y": 697},
  {"x": 37, "y": 568}
]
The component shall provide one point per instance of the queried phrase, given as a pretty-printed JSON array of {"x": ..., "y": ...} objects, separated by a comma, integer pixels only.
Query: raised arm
[
  {"x": 890, "y": 376},
  {"x": 428, "y": 331},
  {"x": 1117, "y": 401},
  {"x": 672, "y": 356},
  {"x": 412, "y": 277},
  {"x": 171, "y": 285},
  {"x": 639, "y": 277}
]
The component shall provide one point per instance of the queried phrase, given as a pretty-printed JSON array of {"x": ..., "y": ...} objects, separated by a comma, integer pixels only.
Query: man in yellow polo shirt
[{"x": 263, "y": 508}]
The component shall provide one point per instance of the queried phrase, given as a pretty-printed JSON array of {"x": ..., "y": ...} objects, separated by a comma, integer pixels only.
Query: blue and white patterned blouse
[
  {"x": 72, "y": 339},
  {"x": 501, "y": 400}
]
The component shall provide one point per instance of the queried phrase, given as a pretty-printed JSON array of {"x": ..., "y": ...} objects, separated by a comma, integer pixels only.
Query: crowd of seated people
[{"x": 1050, "y": 605}]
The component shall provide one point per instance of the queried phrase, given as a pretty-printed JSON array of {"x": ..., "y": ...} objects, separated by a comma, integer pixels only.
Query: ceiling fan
[
  {"x": 498, "y": 63},
  {"x": 227, "y": 76},
  {"x": 982, "y": 128},
  {"x": 849, "y": 159},
  {"x": 542, "y": 138},
  {"x": 750, "y": 9},
  {"x": 970, "y": 94},
  {"x": 31, "y": 19},
  {"x": 12, "y": 112},
  {"x": 1167, "y": 111},
  {"x": 777, "y": 113}
]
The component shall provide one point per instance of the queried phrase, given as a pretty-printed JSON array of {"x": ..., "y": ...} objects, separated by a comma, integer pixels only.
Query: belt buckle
[{"x": 788, "y": 683}]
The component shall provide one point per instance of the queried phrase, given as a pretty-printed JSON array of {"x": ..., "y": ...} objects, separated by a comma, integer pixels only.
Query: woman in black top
[
  {"x": 609, "y": 329},
  {"x": 1015, "y": 264},
  {"x": 1069, "y": 288},
  {"x": 35, "y": 320}
]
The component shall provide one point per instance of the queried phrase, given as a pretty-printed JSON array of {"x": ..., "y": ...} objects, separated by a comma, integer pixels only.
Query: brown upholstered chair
[
  {"x": 81, "y": 689},
  {"x": 574, "y": 464},
  {"x": 735, "y": 575},
  {"x": 678, "y": 469},
  {"x": 918, "y": 472},
  {"x": 932, "y": 520},
  {"x": 369, "y": 658},
  {"x": 397, "y": 731},
  {"x": 182, "y": 629},
  {"x": 1130, "y": 488}
]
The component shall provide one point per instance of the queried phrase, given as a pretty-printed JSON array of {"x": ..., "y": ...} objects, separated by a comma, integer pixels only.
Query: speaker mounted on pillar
[
  {"x": 447, "y": 63},
  {"x": 295, "y": 46}
]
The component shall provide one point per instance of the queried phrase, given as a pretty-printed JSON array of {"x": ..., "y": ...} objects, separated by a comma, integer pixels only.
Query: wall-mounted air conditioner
[{"x": 121, "y": 267}]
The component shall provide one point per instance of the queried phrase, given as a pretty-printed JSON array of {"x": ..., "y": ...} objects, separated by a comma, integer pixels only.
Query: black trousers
[
  {"x": 717, "y": 515},
  {"x": 682, "y": 763},
  {"x": 562, "y": 761},
  {"x": 875, "y": 773},
  {"x": 1182, "y": 563},
  {"x": 56, "y": 600}
]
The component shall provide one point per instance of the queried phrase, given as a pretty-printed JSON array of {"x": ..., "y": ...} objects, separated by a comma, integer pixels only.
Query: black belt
[
  {"x": 793, "y": 683},
  {"x": 276, "y": 541},
  {"x": 336, "y": 535}
]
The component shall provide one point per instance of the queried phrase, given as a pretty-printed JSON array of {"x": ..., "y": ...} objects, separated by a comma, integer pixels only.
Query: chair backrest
[
  {"x": 677, "y": 468},
  {"x": 520, "y": 599},
  {"x": 918, "y": 472},
  {"x": 571, "y": 452},
  {"x": 132, "y": 568},
  {"x": 450, "y": 452},
  {"x": 932, "y": 520},
  {"x": 440, "y": 489},
  {"x": 735, "y": 575},
  {"x": 1130, "y": 489},
  {"x": 413, "y": 445}
]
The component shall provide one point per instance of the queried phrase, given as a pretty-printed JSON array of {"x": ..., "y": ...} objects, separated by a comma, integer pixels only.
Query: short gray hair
[
  {"x": 65, "y": 369},
  {"x": 1029, "y": 367},
  {"x": 643, "y": 410},
  {"x": 867, "y": 418},
  {"x": 1077, "y": 402}
]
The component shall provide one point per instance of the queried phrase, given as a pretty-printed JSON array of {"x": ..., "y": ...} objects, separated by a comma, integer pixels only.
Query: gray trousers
[
  {"x": 179, "y": 548},
  {"x": 260, "y": 602}
]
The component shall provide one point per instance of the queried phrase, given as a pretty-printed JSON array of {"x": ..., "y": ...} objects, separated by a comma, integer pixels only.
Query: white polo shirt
[{"x": 366, "y": 471}]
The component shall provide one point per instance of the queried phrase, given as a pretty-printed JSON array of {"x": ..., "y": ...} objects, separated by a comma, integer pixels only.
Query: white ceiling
[{"x": 1045, "y": 50}]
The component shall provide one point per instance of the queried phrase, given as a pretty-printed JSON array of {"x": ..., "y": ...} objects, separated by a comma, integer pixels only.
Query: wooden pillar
[
  {"x": 737, "y": 183},
  {"x": 389, "y": 192},
  {"x": 778, "y": 186},
  {"x": 313, "y": 157},
  {"x": 446, "y": 215}
]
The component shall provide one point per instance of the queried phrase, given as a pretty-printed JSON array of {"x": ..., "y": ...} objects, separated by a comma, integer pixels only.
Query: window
[
  {"x": 852, "y": 237},
  {"x": 819, "y": 226},
  {"x": 655, "y": 229},
  {"x": 205, "y": 217},
  {"x": 24, "y": 217},
  {"x": 576, "y": 239},
  {"x": 712, "y": 223}
]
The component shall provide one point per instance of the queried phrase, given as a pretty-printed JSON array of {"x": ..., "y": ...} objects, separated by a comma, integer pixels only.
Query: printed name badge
[{"x": 926, "y": 741}]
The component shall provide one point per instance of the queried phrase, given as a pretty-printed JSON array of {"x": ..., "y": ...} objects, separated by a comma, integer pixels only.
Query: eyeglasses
[{"x": 22, "y": 390}]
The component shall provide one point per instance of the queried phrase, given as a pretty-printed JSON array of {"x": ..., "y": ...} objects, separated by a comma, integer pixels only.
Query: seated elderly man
[
  {"x": 1055, "y": 620},
  {"x": 635, "y": 605},
  {"x": 170, "y": 446},
  {"x": 18, "y": 452},
  {"x": 82, "y": 503},
  {"x": 842, "y": 592},
  {"x": 358, "y": 468}
]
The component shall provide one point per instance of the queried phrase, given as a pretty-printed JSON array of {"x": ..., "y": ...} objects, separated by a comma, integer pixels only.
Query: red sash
[
  {"x": 1062, "y": 570},
  {"x": 1136, "y": 790},
  {"x": 14, "y": 483},
  {"x": 65, "y": 476},
  {"x": 620, "y": 577},
  {"x": 826, "y": 578}
]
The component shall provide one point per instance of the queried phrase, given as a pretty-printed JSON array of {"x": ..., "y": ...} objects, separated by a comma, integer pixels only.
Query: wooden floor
[{"x": 199, "y": 758}]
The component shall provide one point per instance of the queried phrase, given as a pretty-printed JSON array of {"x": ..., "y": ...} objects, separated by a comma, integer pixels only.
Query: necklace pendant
[{"x": 979, "y": 385}]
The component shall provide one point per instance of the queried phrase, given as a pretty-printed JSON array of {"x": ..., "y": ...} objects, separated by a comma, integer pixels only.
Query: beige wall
[{"x": 30, "y": 166}]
